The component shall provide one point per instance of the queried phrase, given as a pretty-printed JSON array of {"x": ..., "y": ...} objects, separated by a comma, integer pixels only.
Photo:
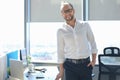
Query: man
[{"x": 75, "y": 43}]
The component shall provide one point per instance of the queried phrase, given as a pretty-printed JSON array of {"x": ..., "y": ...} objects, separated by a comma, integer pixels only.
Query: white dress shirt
[{"x": 75, "y": 43}]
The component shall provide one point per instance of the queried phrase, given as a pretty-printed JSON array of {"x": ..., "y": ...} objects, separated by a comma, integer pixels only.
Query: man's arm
[
  {"x": 61, "y": 72},
  {"x": 93, "y": 59}
]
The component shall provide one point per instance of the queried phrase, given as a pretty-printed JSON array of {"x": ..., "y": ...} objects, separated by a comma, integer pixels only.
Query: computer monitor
[{"x": 23, "y": 56}]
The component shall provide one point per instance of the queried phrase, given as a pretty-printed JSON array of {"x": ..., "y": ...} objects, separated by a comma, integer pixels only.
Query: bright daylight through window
[{"x": 43, "y": 39}]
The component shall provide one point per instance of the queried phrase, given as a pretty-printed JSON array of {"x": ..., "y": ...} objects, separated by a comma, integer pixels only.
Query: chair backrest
[
  {"x": 109, "y": 61},
  {"x": 109, "y": 66},
  {"x": 111, "y": 51}
]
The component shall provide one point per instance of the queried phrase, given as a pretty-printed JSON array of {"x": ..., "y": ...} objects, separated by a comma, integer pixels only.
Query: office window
[
  {"x": 43, "y": 44},
  {"x": 104, "y": 10},
  {"x": 43, "y": 37},
  {"x": 11, "y": 25},
  {"x": 43, "y": 28},
  {"x": 45, "y": 19},
  {"x": 106, "y": 34},
  {"x": 49, "y": 10}
]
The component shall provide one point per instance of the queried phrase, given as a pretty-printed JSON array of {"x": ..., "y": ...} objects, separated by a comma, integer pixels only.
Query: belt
[{"x": 78, "y": 61}]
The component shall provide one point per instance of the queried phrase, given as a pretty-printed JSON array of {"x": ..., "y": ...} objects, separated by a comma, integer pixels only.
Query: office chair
[
  {"x": 109, "y": 62},
  {"x": 111, "y": 51}
]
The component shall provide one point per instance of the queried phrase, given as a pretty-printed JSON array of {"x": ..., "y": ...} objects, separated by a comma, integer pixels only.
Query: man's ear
[{"x": 61, "y": 13}]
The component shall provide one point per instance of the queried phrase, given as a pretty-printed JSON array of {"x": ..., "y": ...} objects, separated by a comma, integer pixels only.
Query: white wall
[
  {"x": 11, "y": 24},
  {"x": 104, "y": 9},
  {"x": 11, "y": 30}
]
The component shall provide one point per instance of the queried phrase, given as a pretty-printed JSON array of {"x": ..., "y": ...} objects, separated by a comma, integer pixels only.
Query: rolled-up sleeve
[
  {"x": 60, "y": 46},
  {"x": 91, "y": 39}
]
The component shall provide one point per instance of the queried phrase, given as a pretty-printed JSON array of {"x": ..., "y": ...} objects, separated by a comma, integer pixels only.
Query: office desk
[{"x": 50, "y": 74}]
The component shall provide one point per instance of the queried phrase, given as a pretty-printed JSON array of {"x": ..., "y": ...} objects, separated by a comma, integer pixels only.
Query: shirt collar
[{"x": 68, "y": 26}]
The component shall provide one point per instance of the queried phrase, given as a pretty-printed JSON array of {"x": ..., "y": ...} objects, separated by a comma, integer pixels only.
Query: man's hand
[
  {"x": 92, "y": 63},
  {"x": 59, "y": 76}
]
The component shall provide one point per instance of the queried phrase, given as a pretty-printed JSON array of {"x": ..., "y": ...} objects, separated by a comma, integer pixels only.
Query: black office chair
[
  {"x": 107, "y": 62},
  {"x": 111, "y": 51}
]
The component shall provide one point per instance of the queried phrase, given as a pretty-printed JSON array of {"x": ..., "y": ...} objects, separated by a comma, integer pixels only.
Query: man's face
[{"x": 67, "y": 12}]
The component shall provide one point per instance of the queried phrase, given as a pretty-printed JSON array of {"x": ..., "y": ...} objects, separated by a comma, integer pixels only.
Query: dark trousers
[{"x": 78, "y": 71}]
